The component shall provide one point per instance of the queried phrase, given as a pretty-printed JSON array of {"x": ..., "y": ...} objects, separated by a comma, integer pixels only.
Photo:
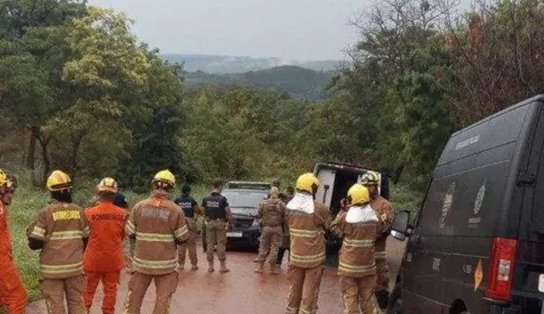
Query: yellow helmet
[
  {"x": 165, "y": 176},
  {"x": 3, "y": 177},
  {"x": 107, "y": 185},
  {"x": 370, "y": 178},
  {"x": 8, "y": 181},
  {"x": 306, "y": 181},
  {"x": 58, "y": 181},
  {"x": 358, "y": 194}
]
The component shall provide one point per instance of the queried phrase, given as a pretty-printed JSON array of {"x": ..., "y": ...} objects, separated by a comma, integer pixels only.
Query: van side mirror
[{"x": 399, "y": 229}]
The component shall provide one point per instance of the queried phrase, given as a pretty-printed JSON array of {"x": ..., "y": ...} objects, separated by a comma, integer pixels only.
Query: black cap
[
  {"x": 120, "y": 200},
  {"x": 186, "y": 189}
]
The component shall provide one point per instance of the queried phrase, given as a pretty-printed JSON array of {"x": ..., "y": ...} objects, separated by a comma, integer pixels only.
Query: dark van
[{"x": 477, "y": 244}]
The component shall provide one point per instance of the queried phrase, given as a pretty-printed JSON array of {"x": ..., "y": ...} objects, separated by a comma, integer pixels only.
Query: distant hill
[
  {"x": 229, "y": 64},
  {"x": 297, "y": 81}
]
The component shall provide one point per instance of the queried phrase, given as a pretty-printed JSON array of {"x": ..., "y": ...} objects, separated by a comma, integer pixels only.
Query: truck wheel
[{"x": 395, "y": 300}]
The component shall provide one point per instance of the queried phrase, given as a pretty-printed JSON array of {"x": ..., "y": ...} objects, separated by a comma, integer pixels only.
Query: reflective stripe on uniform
[
  {"x": 38, "y": 232},
  {"x": 86, "y": 232},
  {"x": 355, "y": 269},
  {"x": 358, "y": 243},
  {"x": 304, "y": 233},
  {"x": 154, "y": 237},
  {"x": 66, "y": 235},
  {"x": 61, "y": 269},
  {"x": 181, "y": 232},
  {"x": 308, "y": 258},
  {"x": 292, "y": 310},
  {"x": 304, "y": 311},
  {"x": 155, "y": 264},
  {"x": 130, "y": 228},
  {"x": 379, "y": 255}
]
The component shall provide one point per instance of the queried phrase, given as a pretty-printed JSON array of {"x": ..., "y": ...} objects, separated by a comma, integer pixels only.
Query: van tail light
[{"x": 501, "y": 270}]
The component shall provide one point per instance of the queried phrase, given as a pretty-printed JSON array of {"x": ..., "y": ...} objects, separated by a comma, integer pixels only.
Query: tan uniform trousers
[
  {"x": 165, "y": 286},
  {"x": 381, "y": 265},
  {"x": 304, "y": 290},
  {"x": 358, "y": 293},
  {"x": 54, "y": 290},
  {"x": 270, "y": 242},
  {"x": 189, "y": 246},
  {"x": 216, "y": 236}
]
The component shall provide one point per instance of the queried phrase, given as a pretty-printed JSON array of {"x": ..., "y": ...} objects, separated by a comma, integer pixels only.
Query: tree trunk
[
  {"x": 75, "y": 152},
  {"x": 31, "y": 153},
  {"x": 40, "y": 138},
  {"x": 46, "y": 162}
]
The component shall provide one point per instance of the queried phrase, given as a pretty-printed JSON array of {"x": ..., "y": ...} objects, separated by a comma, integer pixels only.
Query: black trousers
[{"x": 281, "y": 252}]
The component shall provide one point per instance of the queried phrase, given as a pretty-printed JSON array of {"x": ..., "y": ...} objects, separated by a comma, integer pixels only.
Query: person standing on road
[
  {"x": 285, "y": 239},
  {"x": 158, "y": 225},
  {"x": 356, "y": 263},
  {"x": 12, "y": 291},
  {"x": 385, "y": 213},
  {"x": 190, "y": 209},
  {"x": 61, "y": 232},
  {"x": 272, "y": 214},
  {"x": 218, "y": 219},
  {"x": 120, "y": 200},
  {"x": 103, "y": 260},
  {"x": 306, "y": 221}
]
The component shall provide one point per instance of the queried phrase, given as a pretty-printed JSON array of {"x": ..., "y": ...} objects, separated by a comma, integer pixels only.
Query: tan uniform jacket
[
  {"x": 272, "y": 212},
  {"x": 62, "y": 227},
  {"x": 307, "y": 236},
  {"x": 385, "y": 213},
  {"x": 157, "y": 224},
  {"x": 356, "y": 258}
]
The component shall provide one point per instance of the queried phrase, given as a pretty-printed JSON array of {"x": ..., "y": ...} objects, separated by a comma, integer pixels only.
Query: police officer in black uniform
[
  {"x": 218, "y": 220},
  {"x": 190, "y": 209}
]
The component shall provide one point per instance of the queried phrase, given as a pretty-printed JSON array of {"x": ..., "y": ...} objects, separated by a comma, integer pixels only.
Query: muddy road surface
[{"x": 239, "y": 292}]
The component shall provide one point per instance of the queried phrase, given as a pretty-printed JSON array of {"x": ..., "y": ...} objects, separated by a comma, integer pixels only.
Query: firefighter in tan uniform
[
  {"x": 61, "y": 232},
  {"x": 358, "y": 226},
  {"x": 306, "y": 221},
  {"x": 385, "y": 213},
  {"x": 158, "y": 225},
  {"x": 272, "y": 214}
]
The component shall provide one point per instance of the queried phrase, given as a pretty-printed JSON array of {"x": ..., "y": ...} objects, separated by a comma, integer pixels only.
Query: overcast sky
[{"x": 289, "y": 29}]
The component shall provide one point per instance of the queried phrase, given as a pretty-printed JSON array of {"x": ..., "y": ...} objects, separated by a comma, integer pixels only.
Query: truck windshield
[{"x": 245, "y": 202}]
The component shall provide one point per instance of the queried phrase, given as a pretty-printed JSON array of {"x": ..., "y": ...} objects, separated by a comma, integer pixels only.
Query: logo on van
[
  {"x": 471, "y": 141},
  {"x": 448, "y": 202},
  {"x": 479, "y": 199}
]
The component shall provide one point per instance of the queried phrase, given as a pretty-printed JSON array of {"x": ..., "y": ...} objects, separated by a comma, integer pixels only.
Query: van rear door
[
  {"x": 529, "y": 277},
  {"x": 326, "y": 178}
]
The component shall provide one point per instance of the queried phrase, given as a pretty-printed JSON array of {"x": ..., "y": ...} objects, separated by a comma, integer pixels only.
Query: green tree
[
  {"x": 33, "y": 50},
  {"x": 157, "y": 127}
]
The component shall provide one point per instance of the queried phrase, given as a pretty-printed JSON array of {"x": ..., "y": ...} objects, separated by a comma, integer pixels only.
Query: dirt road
[{"x": 239, "y": 292}]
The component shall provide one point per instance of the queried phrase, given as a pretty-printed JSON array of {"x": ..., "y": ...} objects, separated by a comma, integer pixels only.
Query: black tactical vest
[
  {"x": 214, "y": 206},
  {"x": 187, "y": 204}
]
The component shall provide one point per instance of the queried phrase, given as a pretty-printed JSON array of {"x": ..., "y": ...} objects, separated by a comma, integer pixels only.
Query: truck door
[{"x": 326, "y": 185}]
